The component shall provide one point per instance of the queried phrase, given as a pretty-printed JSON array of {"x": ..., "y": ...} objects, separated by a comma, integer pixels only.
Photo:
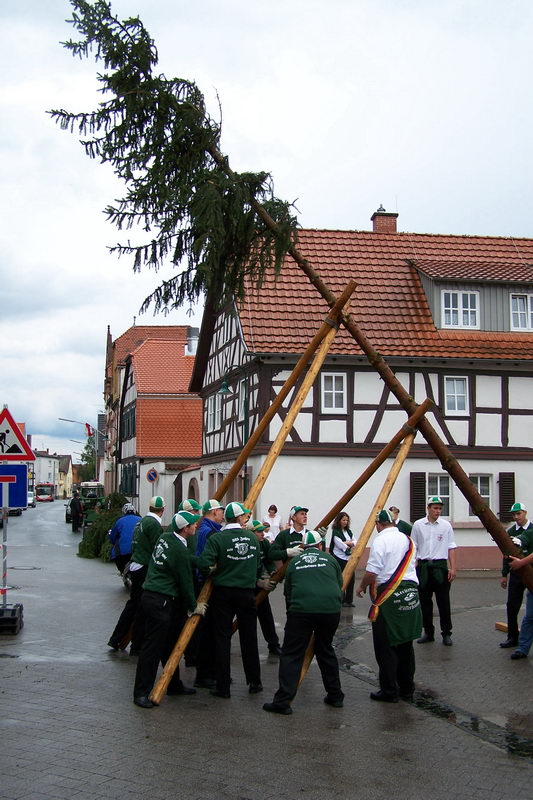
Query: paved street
[{"x": 70, "y": 729}]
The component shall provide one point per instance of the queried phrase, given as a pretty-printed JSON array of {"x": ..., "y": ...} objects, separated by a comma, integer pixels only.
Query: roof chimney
[{"x": 383, "y": 221}]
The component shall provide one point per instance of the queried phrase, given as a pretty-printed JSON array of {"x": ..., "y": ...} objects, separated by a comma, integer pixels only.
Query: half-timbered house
[{"x": 452, "y": 315}]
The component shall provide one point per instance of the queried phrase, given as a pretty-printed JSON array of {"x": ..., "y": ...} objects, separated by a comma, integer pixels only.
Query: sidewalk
[{"x": 70, "y": 729}]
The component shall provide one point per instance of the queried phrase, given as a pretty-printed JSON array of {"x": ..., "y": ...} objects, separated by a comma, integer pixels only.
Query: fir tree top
[{"x": 180, "y": 190}]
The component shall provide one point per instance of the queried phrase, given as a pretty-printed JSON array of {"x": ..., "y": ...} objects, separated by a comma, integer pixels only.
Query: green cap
[
  {"x": 184, "y": 518},
  {"x": 234, "y": 510},
  {"x": 518, "y": 507},
  {"x": 210, "y": 505},
  {"x": 256, "y": 525},
  {"x": 311, "y": 539},
  {"x": 435, "y": 500},
  {"x": 157, "y": 501},
  {"x": 294, "y": 510},
  {"x": 189, "y": 505},
  {"x": 385, "y": 517}
]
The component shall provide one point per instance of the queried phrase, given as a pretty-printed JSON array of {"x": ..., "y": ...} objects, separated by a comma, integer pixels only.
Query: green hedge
[{"x": 95, "y": 541}]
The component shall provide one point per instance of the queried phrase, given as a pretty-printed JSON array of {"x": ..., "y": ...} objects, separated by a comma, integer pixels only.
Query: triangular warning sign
[{"x": 13, "y": 445}]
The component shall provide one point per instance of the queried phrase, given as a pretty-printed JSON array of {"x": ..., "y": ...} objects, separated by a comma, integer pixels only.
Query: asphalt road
[{"x": 70, "y": 729}]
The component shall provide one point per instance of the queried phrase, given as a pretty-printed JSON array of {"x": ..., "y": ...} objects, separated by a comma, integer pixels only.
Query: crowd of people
[{"x": 407, "y": 566}]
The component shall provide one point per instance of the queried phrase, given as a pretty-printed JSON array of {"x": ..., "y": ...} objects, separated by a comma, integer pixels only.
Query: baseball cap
[
  {"x": 256, "y": 525},
  {"x": 157, "y": 501},
  {"x": 184, "y": 518},
  {"x": 234, "y": 510},
  {"x": 435, "y": 500},
  {"x": 518, "y": 507},
  {"x": 385, "y": 517},
  {"x": 311, "y": 539},
  {"x": 189, "y": 505},
  {"x": 210, "y": 505},
  {"x": 294, "y": 510}
]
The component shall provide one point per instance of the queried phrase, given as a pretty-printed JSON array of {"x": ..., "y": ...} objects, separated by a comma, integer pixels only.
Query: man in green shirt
[
  {"x": 168, "y": 596},
  {"x": 237, "y": 555},
  {"x": 521, "y": 532},
  {"x": 287, "y": 543},
  {"x": 313, "y": 588}
]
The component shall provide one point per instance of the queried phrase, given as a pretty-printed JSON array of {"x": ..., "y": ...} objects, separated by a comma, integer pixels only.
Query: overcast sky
[{"x": 422, "y": 105}]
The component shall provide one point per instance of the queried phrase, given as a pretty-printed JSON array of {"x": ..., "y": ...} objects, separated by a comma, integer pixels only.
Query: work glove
[
  {"x": 294, "y": 551},
  {"x": 322, "y": 531},
  {"x": 266, "y": 584},
  {"x": 518, "y": 542},
  {"x": 200, "y": 609}
]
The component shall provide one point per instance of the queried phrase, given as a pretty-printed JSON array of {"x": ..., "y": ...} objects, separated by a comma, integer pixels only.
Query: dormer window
[
  {"x": 460, "y": 309},
  {"x": 522, "y": 312}
]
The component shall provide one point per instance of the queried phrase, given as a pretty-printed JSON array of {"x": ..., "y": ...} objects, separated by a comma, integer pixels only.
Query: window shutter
[
  {"x": 507, "y": 495},
  {"x": 417, "y": 495}
]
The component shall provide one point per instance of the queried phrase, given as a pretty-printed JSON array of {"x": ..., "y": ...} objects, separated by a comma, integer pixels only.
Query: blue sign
[
  {"x": 152, "y": 475},
  {"x": 18, "y": 490}
]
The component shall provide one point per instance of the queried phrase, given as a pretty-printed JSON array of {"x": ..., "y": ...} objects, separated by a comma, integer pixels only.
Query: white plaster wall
[
  {"x": 128, "y": 447},
  {"x": 362, "y": 420},
  {"x": 368, "y": 387},
  {"x": 390, "y": 425},
  {"x": 520, "y": 392},
  {"x": 489, "y": 390},
  {"x": 163, "y": 486},
  {"x": 459, "y": 430},
  {"x": 332, "y": 430},
  {"x": 520, "y": 431},
  {"x": 303, "y": 425},
  {"x": 420, "y": 387},
  {"x": 131, "y": 394},
  {"x": 489, "y": 429}
]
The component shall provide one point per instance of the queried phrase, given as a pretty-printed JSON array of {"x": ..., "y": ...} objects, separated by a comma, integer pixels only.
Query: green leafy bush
[{"x": 95, "y": 541}]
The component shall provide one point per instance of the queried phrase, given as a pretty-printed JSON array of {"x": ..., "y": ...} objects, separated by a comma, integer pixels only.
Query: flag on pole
[{"x": 88, "y": 430}]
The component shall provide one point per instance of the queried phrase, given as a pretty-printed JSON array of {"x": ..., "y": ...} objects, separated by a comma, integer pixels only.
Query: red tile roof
[
  {"x": 137, "y": 334},
  {"x": 472, "y": 270},
  {"x": 389, "y": 303},
  {"x": 160, "y": 366},
  {"x": 169, "y": 427}
]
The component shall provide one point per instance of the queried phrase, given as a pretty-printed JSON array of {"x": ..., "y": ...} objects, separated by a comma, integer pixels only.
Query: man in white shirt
[
  {"x": 436, "y": 569},
  {"x": 395, "y": 613}
]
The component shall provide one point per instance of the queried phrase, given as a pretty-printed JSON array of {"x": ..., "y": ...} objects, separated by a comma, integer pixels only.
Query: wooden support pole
[
  {"x": 365, "y": 534},
  {"x": 330, "y": 321},
  {"x": 191, "y": 624},
  {"x": 382, "y": 456}
]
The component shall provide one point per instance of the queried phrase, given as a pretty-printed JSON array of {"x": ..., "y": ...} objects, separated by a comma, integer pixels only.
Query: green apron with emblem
[{"x": 402, "y": 614}]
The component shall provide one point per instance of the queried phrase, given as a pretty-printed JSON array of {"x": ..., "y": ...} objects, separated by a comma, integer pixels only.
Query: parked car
[{"x": 31, "y": 499}]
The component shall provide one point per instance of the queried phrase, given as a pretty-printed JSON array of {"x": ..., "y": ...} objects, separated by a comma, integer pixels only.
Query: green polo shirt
[
  {"x": 313, "y": 583},
  {"x": 285, "y": 539},
  {"x": 526, "y": 537},
  {"x": 237, "y": 554},
  {"x": 170, "y": 571},
  {"x": 145, "y": 535}
]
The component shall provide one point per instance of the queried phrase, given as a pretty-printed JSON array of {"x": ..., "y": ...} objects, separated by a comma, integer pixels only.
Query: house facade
[
  {"x": 453, "y": 317},
  {"x": 160, "y": 421}
]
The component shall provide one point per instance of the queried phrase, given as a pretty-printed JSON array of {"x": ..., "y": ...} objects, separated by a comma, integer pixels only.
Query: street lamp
[
  {"x": 225, "y": 390},
  {"x": 96, "y": 432}
]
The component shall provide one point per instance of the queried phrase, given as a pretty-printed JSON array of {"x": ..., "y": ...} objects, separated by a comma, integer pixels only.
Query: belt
[{"x": 430, "y": 561}]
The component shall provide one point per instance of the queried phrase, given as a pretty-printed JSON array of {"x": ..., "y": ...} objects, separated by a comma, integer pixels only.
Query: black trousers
[
  {"x": 226, "y": 603},
  {"x": 205, "y": 655},
  {"x": 266, "y": 621},
  {"x": 298, "y": 631},
  {"x": 442, "y": 597},
  {"x": 515, "y": 596},
  {"x": 348, "y": 594},
  {"x": 121, "y": 561},
  {"x": 396, "y": 662},
  {"x": 131, "y": 617},
  {"x": 163, "y": 620}
]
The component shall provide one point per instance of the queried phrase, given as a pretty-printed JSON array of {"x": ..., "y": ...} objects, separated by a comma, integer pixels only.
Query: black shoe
[
  {"x": 143, "y": 701},
  {"x": 518, "y": 654},
  {"x": 216, "y": 693},
  {"x": 181, "y": 690},
  {"x": 205, "y": 683},
  {"x": 382, "y": 697},
  {"x": 274, "y": 650},
  {"x": 275, "y": 709},
  {"x": 447, "y": 640},
  {"x": 425, "y": 638},
  {"x": 255, "y": 688},
  {"x": 507, "y": 643},
  {"x": 408, "y": 696},
  {"x": 112, "y": 644},
  {"x": 336, "y": 702}
]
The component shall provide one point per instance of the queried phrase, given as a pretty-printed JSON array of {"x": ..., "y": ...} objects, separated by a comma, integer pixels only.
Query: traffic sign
[
  {"x": 13, "y": 445},
  {"x": 152, "y": 475},
  {"x": 16, "y": 477}
]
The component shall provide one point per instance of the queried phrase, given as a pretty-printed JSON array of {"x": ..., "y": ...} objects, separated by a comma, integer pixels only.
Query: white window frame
[
  {"x": 242, "y": 396},
  {"x": 210, "y": 414},
  {"x": 462, "y": 309},
  {"x": 528, "y": 311},
  {"x": 486, "y": 495},
  {"x": 456, "y": 412},
  {"x": 218, "y": 412},
  {"x": 333, "y": 391},
  {"x": 440, "y": 486}
]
